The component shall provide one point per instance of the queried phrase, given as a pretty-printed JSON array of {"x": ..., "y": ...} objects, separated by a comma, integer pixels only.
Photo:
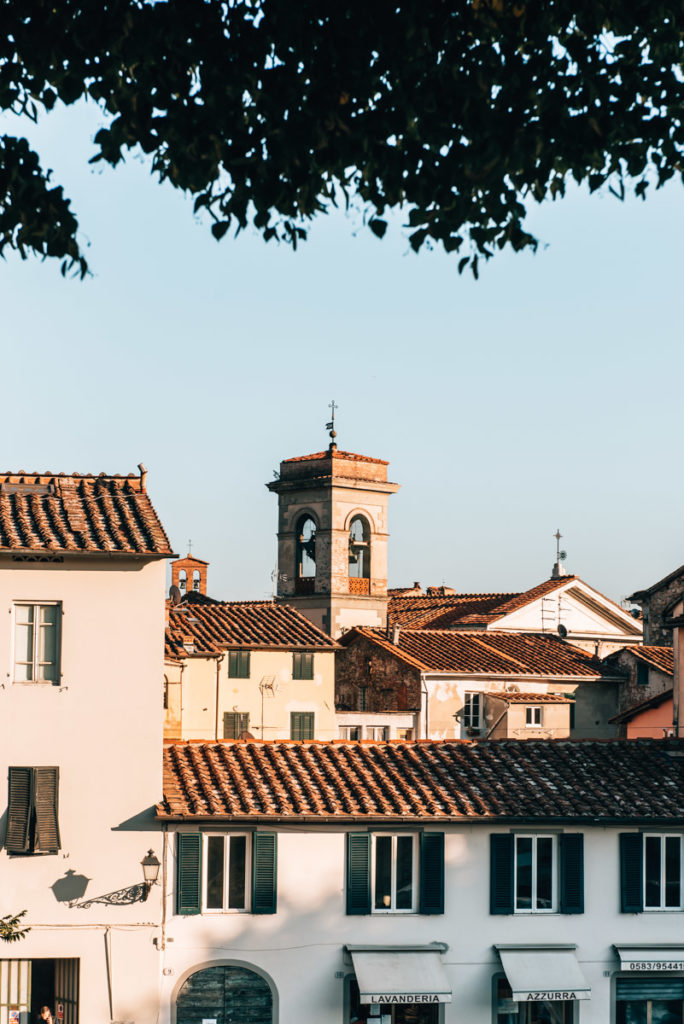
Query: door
[{"x": 224, "y": 995}]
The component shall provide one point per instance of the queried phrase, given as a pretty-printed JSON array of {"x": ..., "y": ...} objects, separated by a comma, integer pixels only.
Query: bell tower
[{"x": 332, "y": 537}]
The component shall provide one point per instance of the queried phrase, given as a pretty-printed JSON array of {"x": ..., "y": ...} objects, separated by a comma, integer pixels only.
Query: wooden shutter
[
  {"x": 572, "y": 873},
  {"x": 19, "y": 811},
  {"x": 45, "y": 800},
  {"x": 264, "y": 873},
  {"x": 631, "y": 872},
  {"x": 358, "y": 873},
  {"x": 189, "y": 873},
  {"x": 501, "y": 874},
  {"x": 432, "y": 873}
]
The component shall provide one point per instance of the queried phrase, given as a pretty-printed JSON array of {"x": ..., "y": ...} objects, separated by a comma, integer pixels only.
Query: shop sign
[
  {"x": 60, "y": 1011},
  {"x": 548, "y": 997},
  {"x": 652, "y": 965},
  {"x": 14, "y": 1016},
  {"x": 409, "y": 997}
]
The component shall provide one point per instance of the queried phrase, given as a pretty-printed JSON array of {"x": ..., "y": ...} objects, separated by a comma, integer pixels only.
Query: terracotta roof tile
[
  {"x": 244, "y": 624},
  {"x": 512, "y": 780},
  {"x": 529, "y": 698},
  {"x": 661, "y": 658},
  {"x": 439, "y": 610},
  {"x": 55, "y": 513},
  {"x": 516, "y": 654},
  {"x": 335, "y": 454}
]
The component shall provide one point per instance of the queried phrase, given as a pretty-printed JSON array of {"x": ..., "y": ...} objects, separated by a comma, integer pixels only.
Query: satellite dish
[
  {"x": 562, "y": 631},
  {"x": 175, "y": 595}
]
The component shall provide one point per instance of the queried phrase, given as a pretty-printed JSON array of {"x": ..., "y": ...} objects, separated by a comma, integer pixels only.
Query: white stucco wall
[
  {"x": 103, "y": 729},
  {"x": 301, "y": 947}
]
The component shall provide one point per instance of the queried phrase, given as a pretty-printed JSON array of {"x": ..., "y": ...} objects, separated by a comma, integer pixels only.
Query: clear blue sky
[{"x": 546, "y": 395}]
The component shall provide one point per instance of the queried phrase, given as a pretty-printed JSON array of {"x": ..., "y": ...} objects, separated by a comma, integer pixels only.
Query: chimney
[
  {"x": 396, "y": 630},
  {"x": 189, "y": 644}
]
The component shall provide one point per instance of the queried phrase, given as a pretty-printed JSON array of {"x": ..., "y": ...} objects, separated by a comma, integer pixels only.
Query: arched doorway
[{"x": 225, "y": 994}]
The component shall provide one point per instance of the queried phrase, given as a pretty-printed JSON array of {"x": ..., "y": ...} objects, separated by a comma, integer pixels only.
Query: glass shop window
[
  {"x": 361, "y": 1013},
  {"x": 534, "y": 1012}
]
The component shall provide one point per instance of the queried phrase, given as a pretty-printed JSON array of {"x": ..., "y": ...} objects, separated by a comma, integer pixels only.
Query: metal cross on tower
[{"x": 331, "y": 425}]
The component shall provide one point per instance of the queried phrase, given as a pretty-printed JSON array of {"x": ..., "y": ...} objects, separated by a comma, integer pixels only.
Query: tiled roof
[
  {"x": 58, "y": 513},
  {"x": 426, "y": 611},
  {"x": 644, "y": 705},
  {"x": 509, "y": 780},
  {"x": 438, "y": 610},
  {"x": 529, "y": 698},
  {"x": 661, "y": 658},
  {"x": 335, "y": 454},
  {"x": 242, "y": 624},
  {"x": 509, "y": 654}
]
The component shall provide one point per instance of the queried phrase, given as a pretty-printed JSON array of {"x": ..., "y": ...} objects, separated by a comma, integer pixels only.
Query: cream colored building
[
  {"x": 82, "y": 595},
  {"x": 237, "y": 669}
]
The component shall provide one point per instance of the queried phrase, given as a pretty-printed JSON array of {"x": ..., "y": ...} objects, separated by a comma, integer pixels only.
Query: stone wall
[{"x": 389, "y": 683}]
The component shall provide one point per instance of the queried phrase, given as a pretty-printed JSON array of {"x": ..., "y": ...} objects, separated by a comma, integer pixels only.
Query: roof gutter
[{"x": 437, "y": 819}]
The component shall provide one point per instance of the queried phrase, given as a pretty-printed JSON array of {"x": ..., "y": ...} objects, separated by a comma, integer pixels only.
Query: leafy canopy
[{"x": 268, "y": 111}]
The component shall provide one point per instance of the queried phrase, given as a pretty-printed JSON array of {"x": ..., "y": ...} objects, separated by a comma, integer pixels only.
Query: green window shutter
[
  {"x": 238, "y": 664},
  {"x": 19, "y": 811},
  {"x": 631, "y": 872},
  {"x": 572, "y": 873},
  {"x": 501, "y": 874},
  {"x": 432, "y": 873},
  {"x": 358, "y": 873},
  {"x": 264, "y": 872},
  {"x": 301, "y": 725},
  {"x": 45, "y": 802},
  {"x": 302, "y": 665},
  {"x": 188, "y": 873},
  {"x": 235, "y": 723}
]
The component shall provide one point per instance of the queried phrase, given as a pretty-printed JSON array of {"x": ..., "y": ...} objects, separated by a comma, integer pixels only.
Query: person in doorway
[{"x": 45, "y": 1015}]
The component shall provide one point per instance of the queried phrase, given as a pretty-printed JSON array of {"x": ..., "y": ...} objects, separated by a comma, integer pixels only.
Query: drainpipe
[
  {"x": 108, "y": 964},
  {"x": 425, "y": 693},
  {"x": 218, "y": 667}
]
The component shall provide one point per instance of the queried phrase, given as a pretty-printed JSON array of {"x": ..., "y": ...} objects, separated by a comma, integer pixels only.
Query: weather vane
[{"x": 331, "y": 425}]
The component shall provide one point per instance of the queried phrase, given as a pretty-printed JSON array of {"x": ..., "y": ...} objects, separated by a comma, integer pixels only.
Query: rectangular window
[
  {"x": 226, "y": 871},
  {"x": 235, "y": 724},
  {"x": 238, "y": 664},
  {"x": 472, "y": 710},
  {"x": 662, "y": 872},
  {"x": 533, "y": 717},
  {"x": 393, "y": 871},
  {"x": 350, "y": 732},
  {"x": 362, "y": 699},
  {"x": 379, "y": 733},
  {"x": 535, "y": 874},
  {"x": 32, "y": 819},
  {"x": 642, "y": 674},
  {"x": 302, "y": 665},
  {"x": 301, "y": 725},
  {"x": 405, "y": 734},
  {"x": 37, "y": 643}
]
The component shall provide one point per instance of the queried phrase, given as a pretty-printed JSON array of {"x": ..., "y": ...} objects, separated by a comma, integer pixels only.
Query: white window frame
[
  {"x": 662, "y": 908},
  {"x": 225, "y": 909},
  {"x": 37, "y": 605},
  {"x": 472, "y": 720},
  {"x": 532, "y": 712},
  {"x": 535, "y": 837},
  {"x": 347, "y": 730},
  {"x": 392, "y": 909},
  {"x": 371, "y": 730}
]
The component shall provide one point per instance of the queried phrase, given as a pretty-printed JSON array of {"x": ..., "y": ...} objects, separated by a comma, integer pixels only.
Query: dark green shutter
[
  {"x": 45, "y": 800},
  {"x": 19, "y": 811},
  {"x": 358, "y": 873},
  {"x": 501, "y": 874},
  {"x": 631, "y": 872},
  {"x": 572, "y": 873},
  {"x": 189, "y": 873},
  {"x": 264, "y": 872},
  {"x": 432, "y": 873}
]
